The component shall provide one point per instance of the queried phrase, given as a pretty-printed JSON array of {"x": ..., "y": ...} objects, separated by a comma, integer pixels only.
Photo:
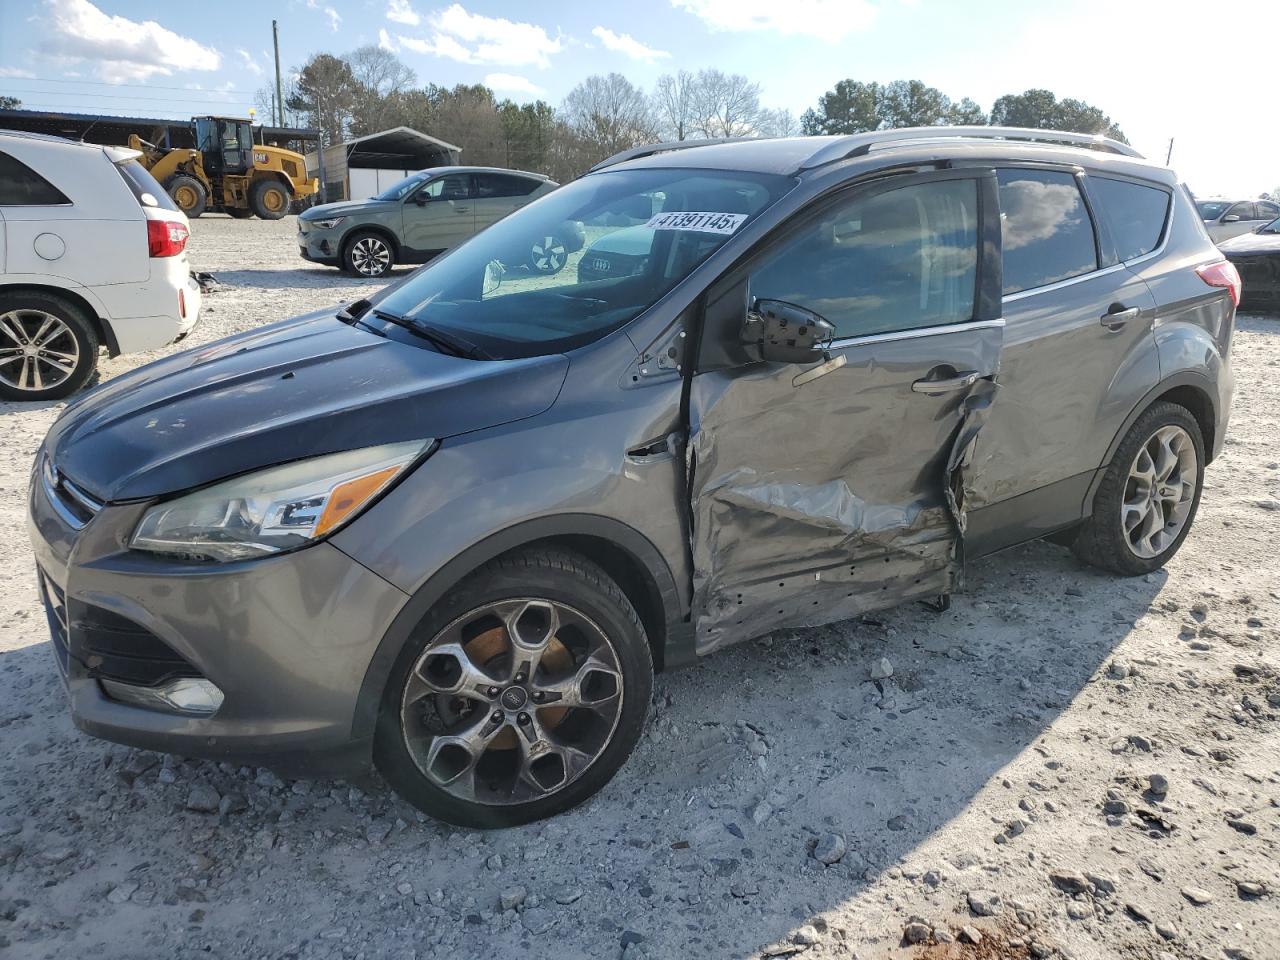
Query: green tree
[
  {"x": 964, "y": 112},
  {"x": 10, "y": 103},
  {"x": 1042, "y": 109},
  {"x": 853, "y": 107},
  {"x": 325, "y": 92}
]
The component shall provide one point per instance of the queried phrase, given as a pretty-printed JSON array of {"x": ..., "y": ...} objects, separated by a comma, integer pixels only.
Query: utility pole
[
  {"x": 275, "y": 37},
  {"x": 1168, "y": 157}
]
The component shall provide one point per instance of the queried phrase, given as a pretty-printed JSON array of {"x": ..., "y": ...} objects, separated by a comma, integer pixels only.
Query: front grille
[
  {"x": 55, "y": 609},
  {"x": 113, "y": 647},
  {"x": 76, "y": 506}
]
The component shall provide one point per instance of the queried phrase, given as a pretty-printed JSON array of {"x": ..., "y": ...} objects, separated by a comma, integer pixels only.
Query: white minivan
[{"x": 92, "y": 256}]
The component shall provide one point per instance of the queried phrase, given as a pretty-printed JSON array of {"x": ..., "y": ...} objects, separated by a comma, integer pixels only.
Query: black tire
[
  {"x": 21, "y": 316},
  {"x": 1103, "y": 540},
  {"x": 548, "y": 255},
  {"x": 188, "y": 193},
  {"x": 368, "y": 255},
  {"x": 269, "y": 199},
  {"x": 555, "y": 577},
  {"x": 240, "y": 213}
]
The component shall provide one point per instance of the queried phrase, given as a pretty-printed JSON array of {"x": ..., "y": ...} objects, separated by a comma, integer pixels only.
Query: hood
[
  {"x": 1252, "y": 243},
  {"x": 343, "y": 208},
  {"x": 300, "y": 388}
]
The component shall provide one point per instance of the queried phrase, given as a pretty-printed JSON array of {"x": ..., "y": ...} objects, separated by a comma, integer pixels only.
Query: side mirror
[
  {"x": 787, "y": 333},
  {"x": 1231, "y": 218}
]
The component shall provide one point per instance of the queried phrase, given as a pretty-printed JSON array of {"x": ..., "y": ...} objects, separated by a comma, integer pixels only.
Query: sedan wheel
[
  {"x": 1160, "y": 491},
  {"x": 548, "y": 256}
]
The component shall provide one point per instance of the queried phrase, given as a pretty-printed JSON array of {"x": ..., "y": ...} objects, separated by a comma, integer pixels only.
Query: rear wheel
[
  {"x": 188, "y": 193},
  {"x": 520, "y": 695},
  {"x": 368, "y": 255},
  {"x": 48, "y": 348},
  {"x": 548, "y": 255},
  {"x": 269, "y": 199},
  {"x": 1149, "y": 494}
]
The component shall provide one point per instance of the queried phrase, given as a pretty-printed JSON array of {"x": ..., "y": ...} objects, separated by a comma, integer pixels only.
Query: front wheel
[
  {"x": 269, "y": 199},
  {"x": 368, "y": 255},
  {"x": 519, "y": 696},
  {"x": 188, "y": 193},
  {"x": 48, "y": 347},
  {"x": 1149, "y": 494}
]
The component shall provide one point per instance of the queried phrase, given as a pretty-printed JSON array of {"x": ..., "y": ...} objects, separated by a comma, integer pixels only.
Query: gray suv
[
  {"x": 454, "y": 529},
  {"x": 425, "y": 214}
]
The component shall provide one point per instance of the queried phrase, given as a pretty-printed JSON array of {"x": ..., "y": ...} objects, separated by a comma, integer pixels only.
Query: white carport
[{"x": 363, "y": 166}]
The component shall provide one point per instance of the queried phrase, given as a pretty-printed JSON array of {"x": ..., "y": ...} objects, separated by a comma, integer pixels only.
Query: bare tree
[
  {"x": 725, "y": 105},
  {"x": 673, "y": 104},
  {"x": 380, "y": 70},
  {"x": 610, "y": 112},
  {"x": 777, "y": 123}
]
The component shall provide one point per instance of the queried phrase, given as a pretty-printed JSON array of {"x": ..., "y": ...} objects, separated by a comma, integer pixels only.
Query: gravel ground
[{"x": 1065, "y": 764}]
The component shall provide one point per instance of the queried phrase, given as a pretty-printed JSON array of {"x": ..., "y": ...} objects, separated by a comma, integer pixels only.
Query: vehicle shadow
[
  {"x": 303, "y": 278},
  {"x": 676, "y": 852}
]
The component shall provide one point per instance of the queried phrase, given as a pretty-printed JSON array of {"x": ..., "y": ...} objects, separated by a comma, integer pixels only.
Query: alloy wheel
[
  {"x": 512, "y": 701},
  {"x": 37, "y": 350},
  {"x": 1159, "y": 492},
  {"x": 548, "y": 255},
  {"x": 370, "y": 256}
]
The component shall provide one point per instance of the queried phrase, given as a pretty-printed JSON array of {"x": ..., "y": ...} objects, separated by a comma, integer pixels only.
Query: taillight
[
  {"x": 1222, "y": 274},
  {"x": 166, "y": 238}
]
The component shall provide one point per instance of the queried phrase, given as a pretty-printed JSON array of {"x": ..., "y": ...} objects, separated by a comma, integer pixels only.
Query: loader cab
[{"x": 227, "y": 145}]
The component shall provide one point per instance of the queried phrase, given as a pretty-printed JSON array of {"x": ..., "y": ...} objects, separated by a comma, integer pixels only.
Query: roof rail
[
  {"x": 858, "y": 144},
  {"x": 648, "y": 150}
]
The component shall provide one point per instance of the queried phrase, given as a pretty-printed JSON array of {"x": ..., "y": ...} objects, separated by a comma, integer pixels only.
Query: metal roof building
[
  {"x": 114, "y": 130},
  {"x": 363, "y": 166}
]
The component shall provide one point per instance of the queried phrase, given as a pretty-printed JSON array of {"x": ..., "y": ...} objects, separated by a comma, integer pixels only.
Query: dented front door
[{"x": 818, "y": 492}]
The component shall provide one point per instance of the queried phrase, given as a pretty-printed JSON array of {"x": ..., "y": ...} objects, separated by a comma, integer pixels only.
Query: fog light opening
[{"x": 188, "y": 696}]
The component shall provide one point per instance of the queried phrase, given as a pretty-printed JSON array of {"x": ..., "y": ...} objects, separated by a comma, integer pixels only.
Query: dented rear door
[{"x": 821, "y": 491}]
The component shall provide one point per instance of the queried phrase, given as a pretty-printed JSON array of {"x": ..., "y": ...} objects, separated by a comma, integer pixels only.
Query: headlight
[
  {"x": 328, "y": 224},
  {"x": 275, "y": 509}
]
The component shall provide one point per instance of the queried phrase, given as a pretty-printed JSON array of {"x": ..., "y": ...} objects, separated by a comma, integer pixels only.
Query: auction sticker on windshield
[{"x": 722, "y": 223}]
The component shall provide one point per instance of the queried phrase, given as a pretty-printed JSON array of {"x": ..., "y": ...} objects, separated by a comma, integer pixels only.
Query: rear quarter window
[
  {"x": 20, "y": 186},
  {"x": 1136, "y": 214},
  {"x": 144, "y": 186},
  {"x": 1045, "y": 227}
]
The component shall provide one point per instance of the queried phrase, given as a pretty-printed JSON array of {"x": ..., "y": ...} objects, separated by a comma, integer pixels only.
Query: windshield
[
  {"x": 1272, "y": 227},
  {"x": 583, "y": 260},
  {"x": 400, "y": 189},
  {"x": 1212, "y": 209}
]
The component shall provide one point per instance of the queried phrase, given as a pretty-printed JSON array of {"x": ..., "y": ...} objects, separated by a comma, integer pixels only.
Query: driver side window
[{"x": 898, "y": 260}]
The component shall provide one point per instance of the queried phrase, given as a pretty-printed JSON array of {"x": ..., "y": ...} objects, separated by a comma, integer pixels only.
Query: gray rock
[
  {"x": 806, "y": 936},
  {"x": 10, "y": 851},
  {"x": 1069, "y": 881},
  {"x": 984, "y": 903},
  {"x": 233, "y": 803},
  {"x": 203, "y": 798},
  {"x": 916, "y": 932},
  {"x": 494, "y": 862},
  {"x": 829, "y": 849},
  {"x": 1247, "y": 888},
  {"x": 1138, "y": 911},
  {"x": 1159, "y": 784},
  {"x": 1197, "y": 895},
  {"x": 1101, "y": 882},
  {"x": 10, "y": 826},
  {"x": 57, "y": 854},
  {"x": 761, "y": 812},
  {"x": 512, "y": 897},
  {"x": 881, "y": 669},
  {"x": 970, "y": 934},
  {"x": 538, "y": 919},
  {"x": 1166, "y": 930},
  {"x": 122, "y": 892},
  {"x": 567, "y": 895}
]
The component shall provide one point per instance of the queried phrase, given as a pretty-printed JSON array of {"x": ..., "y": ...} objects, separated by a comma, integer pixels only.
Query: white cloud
[
  {"x": 512, "y": 83},
  {"x": 473, "y": 38},
  {"x": 830, "y": 20},
  {"x": 123, "y": 49},
  {"x": 334, "y": 18},
  {"x": 627, "y": 45},
  {"x": 399, "y": 11},
  {"x": 385, "y": 41},
  {"x": 250, "y": 63},
  {"x": 17, "y": 72}
]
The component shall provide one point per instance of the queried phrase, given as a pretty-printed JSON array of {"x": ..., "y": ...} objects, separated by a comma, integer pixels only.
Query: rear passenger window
[
  {"x": 1268, "y": 210},
  {"x": 1135, "y": 213},
  {"x": 20, "y": 186},
  {"x": 503, "y": 185},
  {"x": 899, "y": 260},
  {"x": 1046, "y": 229}
]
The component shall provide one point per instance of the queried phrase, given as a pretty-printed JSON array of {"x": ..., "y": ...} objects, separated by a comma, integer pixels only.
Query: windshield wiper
[{"x": 445, "y": 342}]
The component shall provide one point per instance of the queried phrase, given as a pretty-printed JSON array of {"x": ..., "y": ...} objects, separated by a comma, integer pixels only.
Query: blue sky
[{"x": 1160, "y": 69}]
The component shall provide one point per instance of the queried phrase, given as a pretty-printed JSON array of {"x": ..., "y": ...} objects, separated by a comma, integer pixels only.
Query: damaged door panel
[{"x": 815, "y": 502}]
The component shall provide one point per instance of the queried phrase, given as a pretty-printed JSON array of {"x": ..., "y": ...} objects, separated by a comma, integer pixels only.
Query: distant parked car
[
  {"x": 92, "y": 256},
  {"x": 425, "y": 214},
  {"x": 1256, "y": 257},
  {"x": 1226, "y": 218}
]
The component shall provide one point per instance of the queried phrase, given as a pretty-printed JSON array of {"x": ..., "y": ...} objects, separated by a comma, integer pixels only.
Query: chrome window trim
[
  {"x": 1059, "y": 284},
  {"x": 914, "y": 333}
]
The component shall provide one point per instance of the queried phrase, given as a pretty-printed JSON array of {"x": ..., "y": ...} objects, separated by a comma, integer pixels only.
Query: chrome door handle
[
  {"x": 935, "y": 388},
  {"x": 1117, "y": 319}
]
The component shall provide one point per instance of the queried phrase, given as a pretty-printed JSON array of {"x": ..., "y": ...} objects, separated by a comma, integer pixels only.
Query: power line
[
  {"x": 116, "y": 96},
  {"x": 144, "y": 86},
  {"x": 62, "y": 108}
]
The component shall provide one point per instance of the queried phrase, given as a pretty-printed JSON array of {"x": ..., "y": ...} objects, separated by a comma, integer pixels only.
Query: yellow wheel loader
[{"x": 228, "y": 172}]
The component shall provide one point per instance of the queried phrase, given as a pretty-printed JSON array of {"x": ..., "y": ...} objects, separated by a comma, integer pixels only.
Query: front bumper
[
  {"x": 286, "y": 639},
  {"x": 319, "y": 246}
]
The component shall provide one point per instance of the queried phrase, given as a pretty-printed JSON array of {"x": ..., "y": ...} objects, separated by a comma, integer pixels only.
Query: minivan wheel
[
  {"x": 1149, "y": 494},
  {"x": 519, "y": 695},
  {"x": 368, "y": 255},
  {"x": 48, "y": 348}
]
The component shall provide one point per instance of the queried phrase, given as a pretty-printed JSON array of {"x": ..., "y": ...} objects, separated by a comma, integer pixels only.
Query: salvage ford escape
[{"x": 454, "y": 529}]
